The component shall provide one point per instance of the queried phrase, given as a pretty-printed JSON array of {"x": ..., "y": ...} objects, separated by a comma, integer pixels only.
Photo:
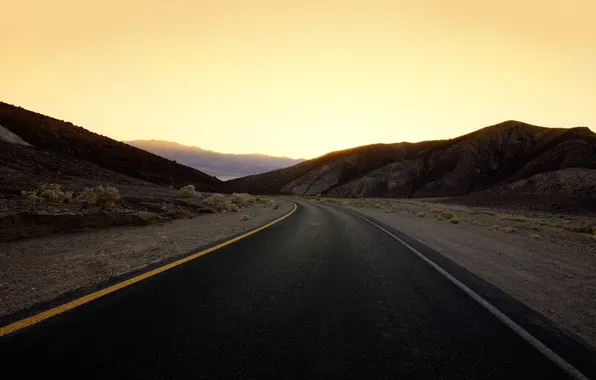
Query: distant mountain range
[
  {"x": 511, "y": 159},
  {"x": 221, "y": 165}
]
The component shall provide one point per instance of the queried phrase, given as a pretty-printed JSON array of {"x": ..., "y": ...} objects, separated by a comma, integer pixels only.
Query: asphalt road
[{"x": 320, "y": 295}]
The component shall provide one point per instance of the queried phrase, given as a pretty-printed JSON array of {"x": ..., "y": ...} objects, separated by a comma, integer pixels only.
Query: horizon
[{"x": 300, "y": 80}]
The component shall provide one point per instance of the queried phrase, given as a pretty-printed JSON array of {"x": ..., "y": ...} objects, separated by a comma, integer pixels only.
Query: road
[{"x": 320, "y": 295}]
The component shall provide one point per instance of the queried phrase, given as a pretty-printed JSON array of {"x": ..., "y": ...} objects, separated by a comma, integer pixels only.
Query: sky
[{"x": 300, "y": 78}]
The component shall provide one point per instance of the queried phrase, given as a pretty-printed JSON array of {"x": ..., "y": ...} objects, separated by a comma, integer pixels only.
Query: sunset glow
[{"x": 300, "y": 78}]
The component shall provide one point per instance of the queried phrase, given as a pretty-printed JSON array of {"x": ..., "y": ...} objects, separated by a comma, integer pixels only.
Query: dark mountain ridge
[
  {"x": 492, "y": 156},
  {"x": 61, "y": 147}
]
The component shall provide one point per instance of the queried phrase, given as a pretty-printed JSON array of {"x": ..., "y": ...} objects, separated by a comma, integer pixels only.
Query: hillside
[
  {"x": 492, "y": 156},
  {"x": 63, "y": 152},
  {"x": 221, "y": 165}
]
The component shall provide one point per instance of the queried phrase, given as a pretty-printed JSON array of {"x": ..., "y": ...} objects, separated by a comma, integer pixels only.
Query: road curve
[{"x": 322, "y": 294}]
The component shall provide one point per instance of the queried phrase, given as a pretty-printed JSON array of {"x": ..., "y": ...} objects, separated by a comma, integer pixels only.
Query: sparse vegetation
[
  {"x": 86, "y": 196},
  {"x": 219, "y": 202},
  {"x": 245, "y": 217},
  {"x": 446, "y": 215},
  {"x": 421, "y": 214},
  {"x": 234, "y": 208},
  {"x": 47, "y": 193},
  {"x": 30, "y": 196},
  {"x": 188, "y": 191},
  {"x": 106, "y": 196},
  {"x": 242, "y": 199},
  {"x": 453, "y": 220}
]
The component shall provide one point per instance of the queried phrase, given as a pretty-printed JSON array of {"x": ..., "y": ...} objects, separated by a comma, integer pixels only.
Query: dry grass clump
[
  {"x": 446, "y": 215},
  {"x": 234, "y": 208},
  {"x": 188, "y": 191},
  {"x": 106, "y": 196},
  {"x": 30, "y": 197},
  {"x": 86, "y": 196},
  {"x": 242, "y": 199},
  {"x": 267, "y": 202},
  {"x": 219, "y": 202},
  {"x": 47, "y": 193},
  {"x": 453, "y": 220},
  {"x": 102, "y": 196},
  {"x": 244, "y": 217},
  {"x": 421, "y": 214}
]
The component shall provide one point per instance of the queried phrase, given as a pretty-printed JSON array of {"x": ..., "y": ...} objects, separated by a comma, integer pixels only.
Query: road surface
[{"x": 320, "y": 295}]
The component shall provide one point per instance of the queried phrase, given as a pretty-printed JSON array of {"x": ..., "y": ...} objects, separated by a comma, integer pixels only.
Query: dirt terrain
[
  {"x": 546, "y": 260},
  {"x": 39, "y": 269}
]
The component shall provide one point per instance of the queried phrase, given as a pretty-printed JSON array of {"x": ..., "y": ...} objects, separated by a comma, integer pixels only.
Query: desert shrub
[
  {"x": 86, "y": 196},
  {"x": 454, "y": 220},
  {"x": 268, "y": 202},
  {"x": 447, "y": 215},
  {"x": 219, "y": 202},
  {"x": 52, "y": 193},
  {"x": 188, "y": 191},
  {"x": 421, "y": 214},
  {"x": 30, "y": 196},
  {"x": 242, "y": 199},
  {"x": 234, "y": 208},
  {"x": 244, "y": 217},
  {"x": 106, "y": 196}
]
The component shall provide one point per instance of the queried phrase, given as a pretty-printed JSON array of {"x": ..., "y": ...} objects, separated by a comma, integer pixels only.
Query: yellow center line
[{"x": 4, "y": 330}]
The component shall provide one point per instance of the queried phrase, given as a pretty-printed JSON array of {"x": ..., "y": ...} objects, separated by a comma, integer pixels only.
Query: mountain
[
  {"x": 221, "y": 165},
  {"x": 36, "y": 148},
  {"x": 490, "y": 157}
]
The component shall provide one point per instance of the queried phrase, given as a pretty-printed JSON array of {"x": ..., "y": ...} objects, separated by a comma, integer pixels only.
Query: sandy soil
[
  {"x": 40, "y": 269},
  {"x": 546, "y": 261}
]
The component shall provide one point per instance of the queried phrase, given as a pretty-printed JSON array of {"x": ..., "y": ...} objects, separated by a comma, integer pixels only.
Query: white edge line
[{"x": 523, "y": 333}]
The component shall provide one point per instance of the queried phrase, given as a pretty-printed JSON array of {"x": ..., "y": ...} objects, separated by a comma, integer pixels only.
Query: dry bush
[
  {"x": 421, "y": 214},
  {"x": 268, "y": 202},
  {"x": 106, "y": 196},
  {"x": 188, "y": 191},
  {"x": 52, "y": 193},
  {"x": 447, "y": 215},
  {"x": 86, "y": 196},
  {"x": 454, "y": 220},
  {"x": 244, "y": 217},
  {"x": 219, "y": 202},
  {"x": 234, "y": 208},
  {"x": 30, "y": 196},
  {"x": 242, "y": 199}
]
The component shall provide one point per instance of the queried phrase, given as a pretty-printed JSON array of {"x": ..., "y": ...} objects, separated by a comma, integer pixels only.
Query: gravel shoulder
[
  {"x": 544, "y": 260},
  {"x": 40, "y": 269}
]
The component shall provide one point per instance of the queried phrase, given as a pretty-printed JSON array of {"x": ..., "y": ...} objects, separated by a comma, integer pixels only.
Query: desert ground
[{"x": 40, "y": 268}]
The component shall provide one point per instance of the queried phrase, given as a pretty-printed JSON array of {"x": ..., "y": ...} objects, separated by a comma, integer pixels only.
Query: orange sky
[{"x": 300, "y": 78}]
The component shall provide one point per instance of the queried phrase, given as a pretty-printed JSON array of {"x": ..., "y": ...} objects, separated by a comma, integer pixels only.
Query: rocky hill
[
  {"x": 490, "y": 157},
  {"x": 223, "y": 166},
  {"x": 37, "y": 148}
]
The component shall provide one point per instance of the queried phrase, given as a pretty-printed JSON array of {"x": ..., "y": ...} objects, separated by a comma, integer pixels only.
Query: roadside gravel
[{"x": 40, "y": 269}]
